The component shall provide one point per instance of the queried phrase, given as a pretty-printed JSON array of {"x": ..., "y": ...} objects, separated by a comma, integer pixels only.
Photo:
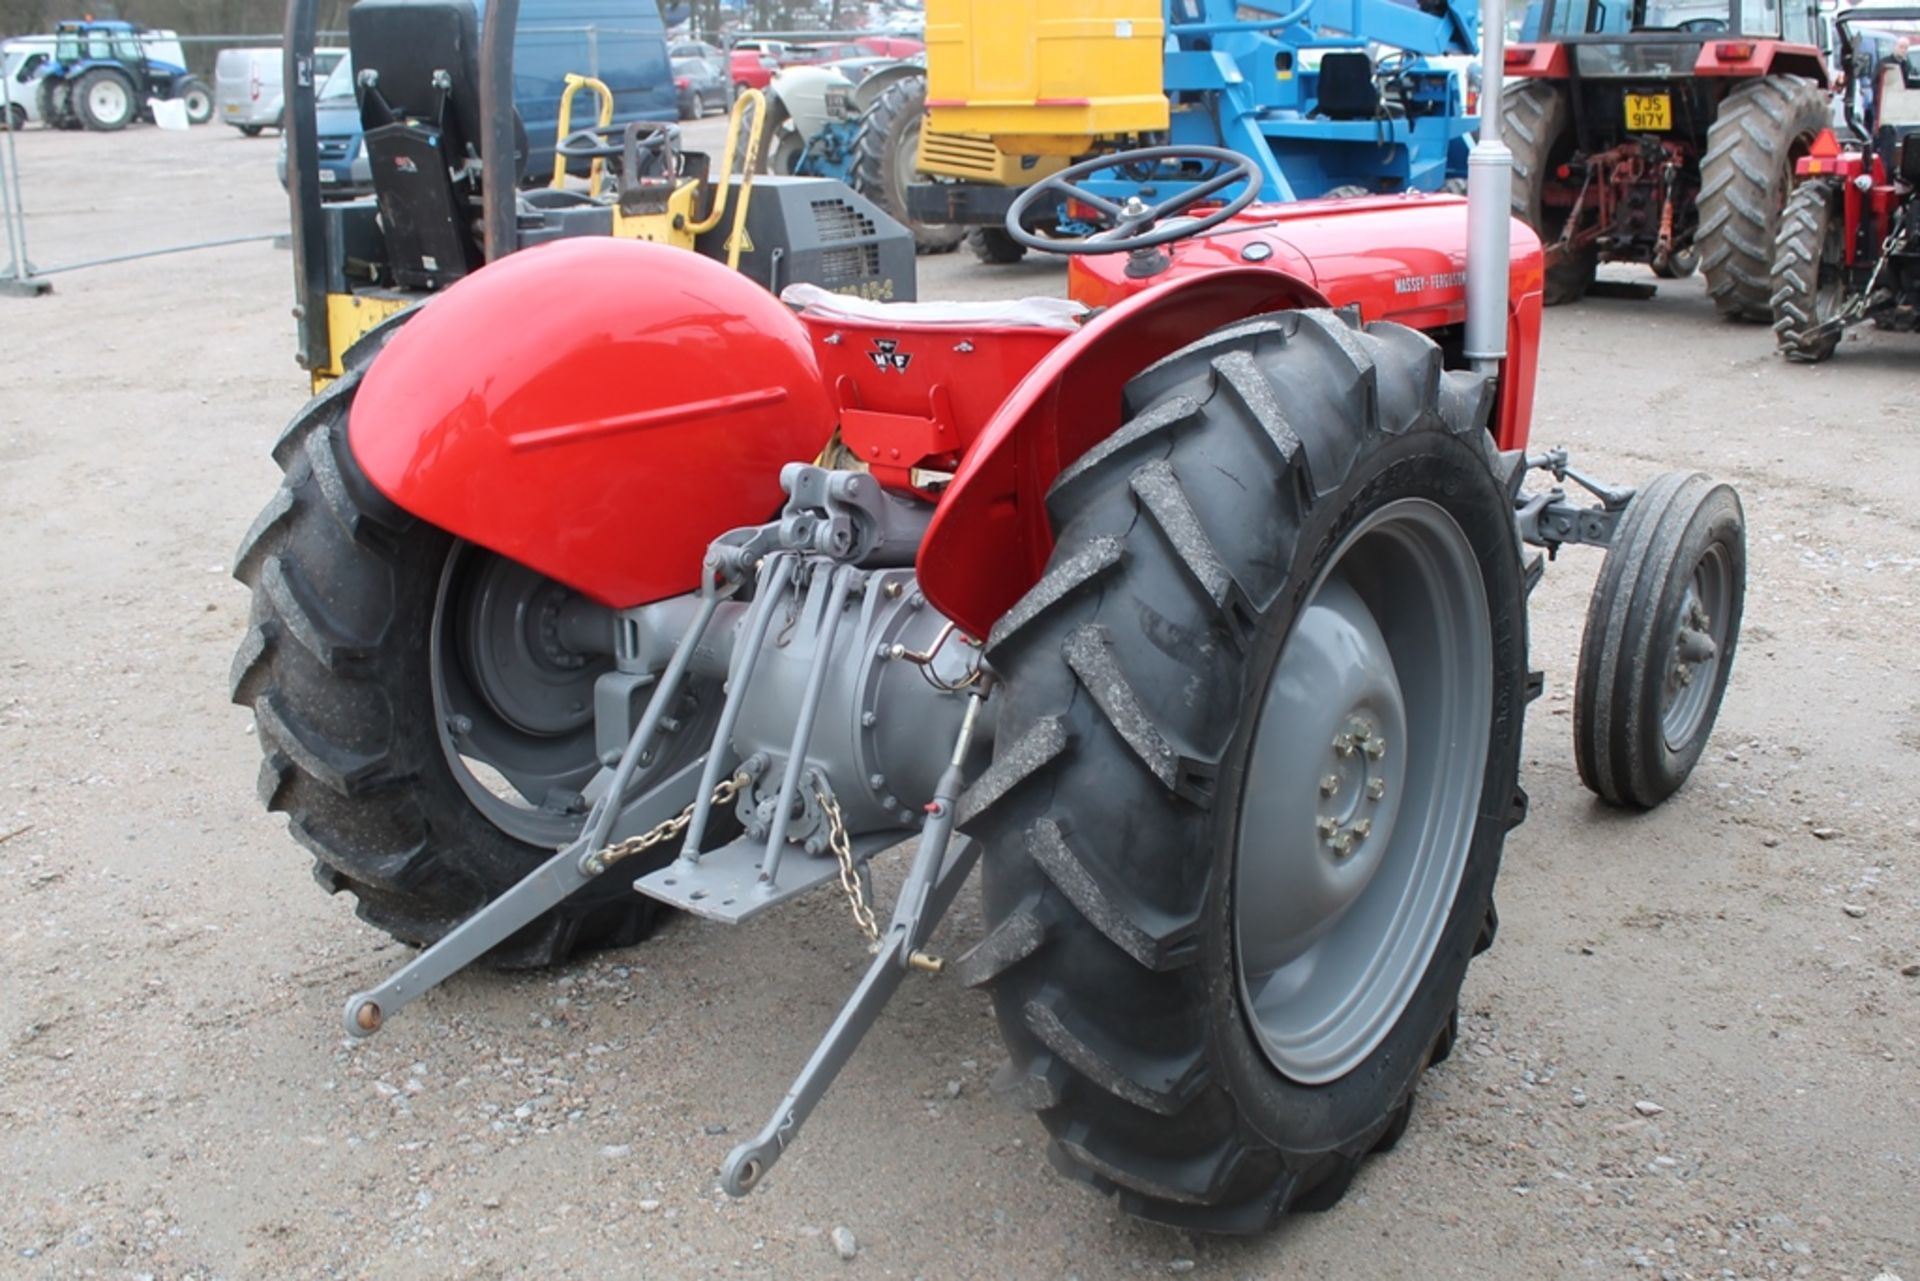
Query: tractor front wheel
[
  {"x": 104, "y": 101},
  {"x": 1659, "y": 640},
  {"x": 1254, "y": 768},
  {"x": 886, "y": 155},
  {"x": 425, "y": 707},
  {"x": 1762, "y": 128},
  {"x": 198, "y": 99},
  {"x": 1539, "y": 132},
  {"x": 1810, "y": 274}
]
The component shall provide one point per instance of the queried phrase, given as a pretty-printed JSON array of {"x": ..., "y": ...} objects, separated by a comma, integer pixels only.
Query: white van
[
  {"x": 247, "y": 90},
  {"x": 22, "y": 63}
]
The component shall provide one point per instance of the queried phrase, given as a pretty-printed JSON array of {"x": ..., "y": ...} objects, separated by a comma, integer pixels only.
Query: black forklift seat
[{"x": 1347, "y": 87}]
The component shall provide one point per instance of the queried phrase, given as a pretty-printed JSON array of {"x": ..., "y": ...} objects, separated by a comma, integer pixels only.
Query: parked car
[
  {"x": 751, "y": 63},
  {"x": 247, "y": 89},
  {"x": 892, "y": 46},
  {"x": 22, "y": 63},
  {"x": 699, "y": 87},
  {"x": 344, "y": 170}
]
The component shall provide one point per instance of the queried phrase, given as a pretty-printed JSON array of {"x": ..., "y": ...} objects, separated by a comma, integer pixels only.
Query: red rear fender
[
  {"x": 989, "y": 540},
  {"x": 597, "y": 409}
]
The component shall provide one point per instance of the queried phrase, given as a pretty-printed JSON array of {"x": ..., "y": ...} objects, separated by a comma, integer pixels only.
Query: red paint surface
[
  {"x": 597, "y": 409},
  {"x": 1396, "y": 258},
  {"x": 916, "y": 395}
]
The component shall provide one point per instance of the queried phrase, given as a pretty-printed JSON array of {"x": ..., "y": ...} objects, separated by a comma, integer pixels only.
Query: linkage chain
[
  {"x": 727, "y": 789},
  {"x": 849, "y": 875}
]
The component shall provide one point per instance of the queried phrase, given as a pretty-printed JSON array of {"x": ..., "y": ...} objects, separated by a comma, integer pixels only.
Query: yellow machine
[
  {"x": 659, "y": 193},
  {"x": 1045, "y": 77},
  {"x": 1015, "y": 91},
  {"x": 662, "y": 194}
]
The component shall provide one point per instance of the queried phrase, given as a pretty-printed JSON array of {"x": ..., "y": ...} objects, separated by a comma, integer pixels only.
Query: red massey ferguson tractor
[
  {"x": 1849, "y": 243},
  {"x": 1663, "y": 132},
  {"x": 1195, "y": 614}
]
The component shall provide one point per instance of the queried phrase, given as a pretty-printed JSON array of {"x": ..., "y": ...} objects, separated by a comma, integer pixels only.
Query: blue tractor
[
  {"x": 103, "y": 73},
  {"x": 1325, "y": 97}
]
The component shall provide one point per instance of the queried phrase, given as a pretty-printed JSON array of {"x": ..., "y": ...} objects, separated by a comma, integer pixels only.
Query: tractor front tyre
[
  {"x": 425, "y": 727},
  {"x": 1762, "y": 128},
  {"x": 198, "y": 99},
  {"x": 1810, "y": 274},
  {"x": 994, "y": 246},
  {"x": 1538, "y": 129},
  {"x": 886, "y": 153},
  {"x": 1658, "y": 646},
  {"x": 1254, "y": 768},
  {"x": 104, "y": 101}
]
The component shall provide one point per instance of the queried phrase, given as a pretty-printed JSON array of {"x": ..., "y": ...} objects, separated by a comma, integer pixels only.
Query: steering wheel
[
  {"x": 1129, "y": 226},
  {"x": 617, "y": 141},
  {"x": 1702, "y": 25}
]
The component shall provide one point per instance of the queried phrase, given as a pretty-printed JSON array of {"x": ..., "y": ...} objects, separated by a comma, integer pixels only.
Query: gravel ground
[{"x": 1692, "y": 1054}]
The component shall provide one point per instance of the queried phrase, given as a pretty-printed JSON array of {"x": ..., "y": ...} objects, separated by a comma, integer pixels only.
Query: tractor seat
[
  {"x": 1013, "y": 313},
  {"x": 1347, "y": 87}
]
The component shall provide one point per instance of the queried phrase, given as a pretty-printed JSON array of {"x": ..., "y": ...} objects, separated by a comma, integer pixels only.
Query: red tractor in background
[
  {"x": 1663, "y": 132},
  {"x": 1192, "y": 610},
  {"x": 1849, "y": 242}
]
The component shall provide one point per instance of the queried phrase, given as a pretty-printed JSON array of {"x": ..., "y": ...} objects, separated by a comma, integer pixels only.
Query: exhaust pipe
[{"x": 1489, "y": 204}]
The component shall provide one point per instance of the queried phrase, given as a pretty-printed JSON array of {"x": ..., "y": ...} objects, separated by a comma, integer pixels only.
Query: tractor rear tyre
[
  {"x": 1255, "y": 765},
  {"x": 104, "y": 101},
  {"x": 1810, "y": 274},
  {"x": 1348, "y": 191},
  {"x": 886, "y": 150},
  {"x": 1539, "y": 132},
  {"x": 993, "y": 245},
  {"x": 1762, "y": 128},
  {"x": 1658, "y": 646},
  {"x": 55, "y": 96},
  {"x": 425, "y": 729},
  {"x": 198, "y": 99}
]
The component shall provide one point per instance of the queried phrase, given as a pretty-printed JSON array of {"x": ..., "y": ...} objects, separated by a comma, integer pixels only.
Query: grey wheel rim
[
  {"x": 1693, "y": 664},
  {"x": 1362, "y": 789},
  {"x": 512, "y": 698}
]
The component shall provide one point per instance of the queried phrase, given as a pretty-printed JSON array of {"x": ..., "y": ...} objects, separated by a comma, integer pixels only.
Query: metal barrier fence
[{"x": 21, "y": 277}]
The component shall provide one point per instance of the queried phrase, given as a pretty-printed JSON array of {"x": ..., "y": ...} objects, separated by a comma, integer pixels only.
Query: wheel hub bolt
[
  {"x": 1330, "y": 785},
  {"x": 1376, "y": 788},
  {"x": 1328, "y": 827}
]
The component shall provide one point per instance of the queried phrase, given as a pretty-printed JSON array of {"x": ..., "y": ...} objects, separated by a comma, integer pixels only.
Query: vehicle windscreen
[
  {"x": 1545, "y": 19},
  {"x": 339, "y": 83}
]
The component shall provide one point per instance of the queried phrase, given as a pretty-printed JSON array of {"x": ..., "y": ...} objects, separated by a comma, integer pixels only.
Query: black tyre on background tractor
[
  {"x": 1638, "y": 138},
  {"x": 104, "y": 100},
  {"x": 885, "y": 152}
]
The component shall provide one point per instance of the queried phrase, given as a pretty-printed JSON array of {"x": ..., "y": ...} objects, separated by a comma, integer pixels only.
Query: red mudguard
[
  {"x": 596, "y": 409},
  {"x": 1395, "y": 258}
]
